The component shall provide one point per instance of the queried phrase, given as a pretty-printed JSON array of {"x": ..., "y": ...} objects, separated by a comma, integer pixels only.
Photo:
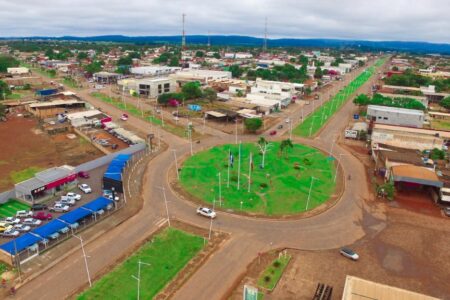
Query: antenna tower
[
  {"x": 265, "y": 36},
  {"x": 183, "y": 37}
]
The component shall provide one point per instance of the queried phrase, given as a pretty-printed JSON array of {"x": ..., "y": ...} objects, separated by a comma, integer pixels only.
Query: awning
[
  {"x": 215, "y": 114},
  {"x": 415, "y": 174}
]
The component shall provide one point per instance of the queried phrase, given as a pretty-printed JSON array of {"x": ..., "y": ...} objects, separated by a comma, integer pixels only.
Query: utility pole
[
  {"x": 85, "y": 258},
  {"x": 239, "y": 166},
  {"x": 209, "y": 40},
  {"x": 249, "y": 172},
  {"x": 309, "y": 194},
  {"x": 138, "y": 278},
  {"x": 220, "y": 188}
]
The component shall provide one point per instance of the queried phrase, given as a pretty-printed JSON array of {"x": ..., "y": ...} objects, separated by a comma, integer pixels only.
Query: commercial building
[
  {"x": 53, "y": 108},
  {"x": 18, "y": 71},
  {"x": 357, "y": 289},
  {"x": 148, "y": 87},
  {"x": 395, "y": 116},
  {"x": 91, "y": 117},
  {"x": 203, "y": 76},
  {"x": 106, "y": 77},
  {"x": 154, "y": 70},
  {"x": 46, "y": 183},
  {"x": 282, "y": 89}
]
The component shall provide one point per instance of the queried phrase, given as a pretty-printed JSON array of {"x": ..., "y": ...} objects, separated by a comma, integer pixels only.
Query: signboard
[
  {"x": 356, "y": 117},
  {"x": 38, "y": 190},
  {"x": 250, "y": 293},
  {"x": 353, "y": 134}
]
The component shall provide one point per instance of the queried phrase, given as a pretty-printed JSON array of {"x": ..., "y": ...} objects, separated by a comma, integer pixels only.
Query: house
[
  {"x": 395, "y": 116},
  {"x": 53, "y": 108},
  {"x": 154, "y": 70},
  {"x": 283, "y": 89},
  {"x": 18, "y": 71}
]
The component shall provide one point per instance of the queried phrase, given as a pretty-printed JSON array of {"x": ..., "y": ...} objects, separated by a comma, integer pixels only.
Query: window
[
  {"x": 166, "y": 87},
  {"x": 159, "y": 89},
  {"x": 385, "y": 118}
]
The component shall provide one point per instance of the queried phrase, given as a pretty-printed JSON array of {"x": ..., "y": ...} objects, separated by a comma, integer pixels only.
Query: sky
[{"x": 404, "y": 20}]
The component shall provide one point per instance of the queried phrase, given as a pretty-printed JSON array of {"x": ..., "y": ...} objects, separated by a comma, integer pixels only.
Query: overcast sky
[{"x": 406, "y": 20}]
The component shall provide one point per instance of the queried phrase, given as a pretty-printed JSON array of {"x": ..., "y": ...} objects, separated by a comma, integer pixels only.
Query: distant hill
[{"x": 233, "y": 40}]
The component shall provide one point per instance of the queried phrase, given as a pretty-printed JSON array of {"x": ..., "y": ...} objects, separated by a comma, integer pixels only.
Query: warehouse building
[
  {"x": 395, "y": 116},
  {"x": 154, "y": 70}
]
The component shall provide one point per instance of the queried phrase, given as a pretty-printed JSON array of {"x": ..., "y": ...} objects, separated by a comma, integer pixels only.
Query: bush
[
  {"x": 253, "y": 124},
  {"x": 267, "y": 278},
  {"x": 263, "y": 185},
  {"x": 276, "y": 264}
]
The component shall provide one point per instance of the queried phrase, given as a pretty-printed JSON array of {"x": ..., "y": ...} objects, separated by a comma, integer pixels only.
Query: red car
[
  {"x": 83, "y": 174},
  {"x": 273, "y": 132},
  {"x": 42, "y": 216}
]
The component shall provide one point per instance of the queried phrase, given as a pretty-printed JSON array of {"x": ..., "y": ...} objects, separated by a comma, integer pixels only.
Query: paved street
[{"x": 346, "y": 222}]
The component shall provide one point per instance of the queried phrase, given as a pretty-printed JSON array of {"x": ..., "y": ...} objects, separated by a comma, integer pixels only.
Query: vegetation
[
  {"x": 236, "y": 71},
  {"x": 25, "y": 174},
  {"x": 272, "y": 274},
  {"x": 437, "y": 154},
  {"x": 165, "y": 98},
  {"x": 4, "y": 90},
  {"x": 2, "y": 110},
  {"x": 278, "y": 188},
  {"x": 94, "y": 67},
  {"x": 280, "y": 73},
  {"x": 377, "y": 99},
  {"x": 7, "y": 62},
  {"x": 409, "y": 78},
  {"x": 253, "y": 124},
  {"x": 210, "y": 94},
  {"x": 166, "y": 255},
  {"x": 445, "y": 102},
  {"x": 191, "y": 90}
]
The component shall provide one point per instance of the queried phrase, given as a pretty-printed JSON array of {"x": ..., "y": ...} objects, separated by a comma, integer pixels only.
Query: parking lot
[{"x": 94, "y": 181}]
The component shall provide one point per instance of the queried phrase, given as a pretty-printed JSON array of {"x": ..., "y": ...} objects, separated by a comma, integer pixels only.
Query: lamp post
[
  {"x": 312, "y": 122},
  {"x": 85, "y": 258},
  {"x": 310, "y": 189},
  {"x": 236, "y": 130},
  {"x": 138, "y": 278},
  {"x": 220, "y": 188}
]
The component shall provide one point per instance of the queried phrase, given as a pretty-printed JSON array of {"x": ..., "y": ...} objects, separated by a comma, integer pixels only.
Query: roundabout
[{"x": 262, "y": 178}]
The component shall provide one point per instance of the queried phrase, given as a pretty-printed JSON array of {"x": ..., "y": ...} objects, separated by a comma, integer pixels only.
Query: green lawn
[
  {"x": 167, "y": 254},
  {"x": 25, "y": 174},
  {"x": 135, "y": 111},
  {"x": 314, "y": 122},
  {"x": 14, "y": 96},
  {"x": 10, "y": 207},
  {"x": 269, "y": 278},
  {"x": 440, "y": 124},
  {"x": 70, "y": 82},
  {"x": 282, "y": 187}
]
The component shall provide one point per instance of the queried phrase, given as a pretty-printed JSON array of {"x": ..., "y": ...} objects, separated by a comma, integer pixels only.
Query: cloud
[{"x": 411, "y": 20}]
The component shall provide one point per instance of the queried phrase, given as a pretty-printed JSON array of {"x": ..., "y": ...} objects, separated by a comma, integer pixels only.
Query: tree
[
  {"x": 191, "y": 90},
  {"x": 174, "y": 62},
  {"x": 285, "y": 145},
  {"x": 318, "y": 73},
  {"x": 93, "y": 67},
  {"x": 253, "y": 124},
  {"x": 236, "y": 71},
  {"x": 437, "y": 154},
  {"x": 7, "y": 62},
  {"x": 199, "y": 54},
  {"x": 82, "y": 55},
  {"x": 263, "y": 146},
  {"x": 308, "y": 91},
  {"x": 210, "y": 94},
  {"x": 124, "y": 61},
  {"x": 361, "y": 100},
  {"x": 445, "y": 102},
  {"x": 4, "y": 90},
  {"x": 51, "y": 73},
  {"x": 165, "y": 98},
  {"x": 303, "y": 60},
  {"x": 2, "y": 111},
  {"x": 216, "y": 55}
]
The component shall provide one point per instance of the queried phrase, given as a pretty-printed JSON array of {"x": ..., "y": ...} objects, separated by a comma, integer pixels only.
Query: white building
[
  {"x": 154, "y": 70},
  {"x": 17, "y": 71},
  {"x": 283, "y": 89},
  {"x": 148, "y": 87},
  {"x": 395, "y": 116},
  {"x": 200, "y": 75}
]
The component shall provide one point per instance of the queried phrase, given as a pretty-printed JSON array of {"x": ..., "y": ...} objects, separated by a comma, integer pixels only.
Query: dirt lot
[
  {"x": 24, "y": 145},
  {"x": 413, "y": 253}
]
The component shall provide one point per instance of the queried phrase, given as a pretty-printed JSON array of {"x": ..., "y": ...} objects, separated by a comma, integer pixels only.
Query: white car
[
  {"x": 206, "y": 212},
  {"x": 32, "y": 222},
  {"x": 21, "y": 228},
  {"x": 66, "y": 201},
  {"x": 59, "y": 207},
  {"x": 85, "y": 188},
  {"x": 24, "y": 214},
  {"x": 10, "y": 233},
  {"x": 349, "y": 253},
  {"x": 74, "y": 196},
  {"x": 12, "y": 220}
]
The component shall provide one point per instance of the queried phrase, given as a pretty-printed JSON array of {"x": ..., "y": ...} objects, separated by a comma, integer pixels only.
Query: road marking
[{"x": 160, "y": 222}]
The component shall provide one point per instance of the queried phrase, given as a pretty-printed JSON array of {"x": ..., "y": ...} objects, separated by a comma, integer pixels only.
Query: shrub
[
  {"x": 263, "y": 185},
  {"x": 267, "y": 278},
  {"x": 276, "y": 264}
]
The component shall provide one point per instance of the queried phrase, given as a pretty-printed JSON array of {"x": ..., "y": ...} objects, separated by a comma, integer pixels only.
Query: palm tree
[{"x": 285, "y": 144}]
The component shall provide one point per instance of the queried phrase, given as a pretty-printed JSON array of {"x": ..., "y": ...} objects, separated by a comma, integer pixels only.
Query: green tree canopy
[
  {"x": 2, "y": 110},
  {"x": 124, "y": 61},
  {"x": 93, "y": 67},
  {"x": 445, "y": 102},
  {"x": 191, "y": 90},
  {"x": 4, "y": 90},
  {"x": 362, "y": 100},
  {"x": 165, "y": 98},
  {"x": 210, "y": 94},
  {"x": 199, "y": 54},
  {"x": 236, "y": 71},
  {"x": 253, "y": 124},
  {"x": 216, "y": 55},
  {"x": 7, "y": 62},
  {"x": 82, "y": 55}
]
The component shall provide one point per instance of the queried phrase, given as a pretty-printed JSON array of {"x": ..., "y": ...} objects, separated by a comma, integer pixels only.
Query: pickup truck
[
  {"x": 59, "y": 207},
  {"x": 66, "y": 201},
  {"x": 74, "y": 196}
]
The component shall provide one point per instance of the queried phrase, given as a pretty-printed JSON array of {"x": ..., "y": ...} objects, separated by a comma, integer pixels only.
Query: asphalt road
[{"x": 343, "y": 224}]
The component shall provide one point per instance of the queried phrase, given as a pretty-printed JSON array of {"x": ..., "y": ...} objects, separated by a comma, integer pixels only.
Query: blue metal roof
[
  {"x": 20, "y": 244},
  {"x": 74, "y": 215},
  {"x": 49, "y": 228},
  {"x": 114, "y": 176},
  {"x": 98, "y": 204}
]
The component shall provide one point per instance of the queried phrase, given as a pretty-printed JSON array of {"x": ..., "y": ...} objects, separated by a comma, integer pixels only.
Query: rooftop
[{"x": 396, "y": 110}]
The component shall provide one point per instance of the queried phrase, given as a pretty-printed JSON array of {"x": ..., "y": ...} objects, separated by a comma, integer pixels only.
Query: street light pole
[
  {"x": 85, "y": 259},
  {"x": 176, "y": 163},
  {"x": 309, "y": 194},
  {"x": 138, "y": 278},
  {"x": 220, "y": 188},
  {"x": 236, "y": 139}
]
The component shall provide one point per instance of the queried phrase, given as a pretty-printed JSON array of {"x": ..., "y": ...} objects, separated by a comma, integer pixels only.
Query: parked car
[
  {"x": 21, "y": 228},
  {"x": 4, "y": 226},
  {"x": 114, "y": 146},
  {"x": 207, "y": 212},
  {"x": 66, "y": 201},
  {"x": 273, "y": 132},
  {"x": 74, "y": 196},
  {"x": 83, "y": 174},
  {"x": 10, "y": 233},
  {"x": 109, "y": 195},
  {"x": 32, "y": 222},
  {"x": 59, "y": 207},
  {"x": 280, "y": 126},
  {"x": 85, "y": 188},
  {"x": 100, "y": 212},
  {"x": 24, "y": 213},
  {"x": 42, "y": 216},
  {"x": 39, "y": 206},
  {"x": 12, "y": 220},
  {"x": 446, "y": 211},
  {"x": 349, "y": 253},
  {"x": 124, "y": 117}
]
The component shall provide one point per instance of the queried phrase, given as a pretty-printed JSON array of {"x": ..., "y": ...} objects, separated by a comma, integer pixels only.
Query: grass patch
[
  {"x": 135, "y": 111},
  {"x": 10, "y": 207},
  {"x": 25, "y": 174},
  {"x": 14, "y": 96},
  {"x": 282, "y": 187},
  {"x": 314, "y": 122},
  {"x": 3, "y": 268},
  {"x": 167, "y": 254},
  {"x": 440, "y": 125},
  {"x": 70, "y": 82},
  {"x": 272, "y": 274}
]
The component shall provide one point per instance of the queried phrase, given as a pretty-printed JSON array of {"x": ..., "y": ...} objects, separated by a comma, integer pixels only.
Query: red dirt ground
[{"x": 23, "y": 146}]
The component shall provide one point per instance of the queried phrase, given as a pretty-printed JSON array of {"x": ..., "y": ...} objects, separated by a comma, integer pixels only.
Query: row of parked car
[{"x": 22, "y": 222}]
